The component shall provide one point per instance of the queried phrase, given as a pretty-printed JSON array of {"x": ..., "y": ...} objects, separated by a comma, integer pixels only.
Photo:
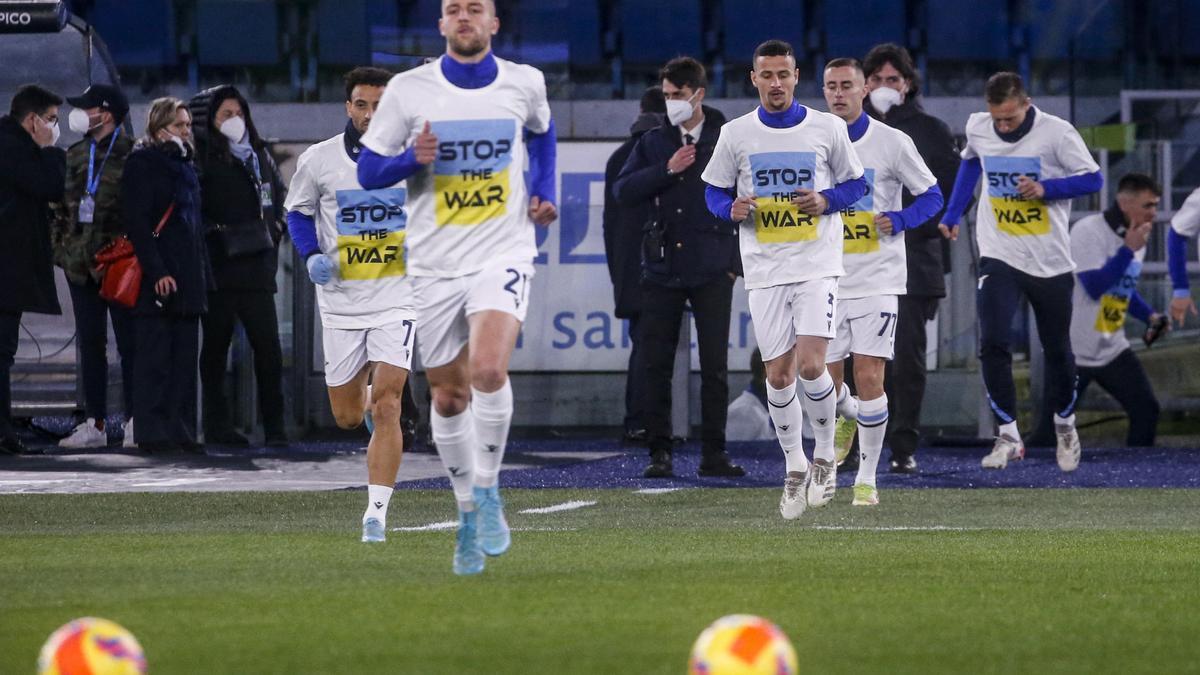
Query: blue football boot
[
  {"x": 373, "y": 530},
  {"x": 468, "y": 557},
  {"x": 494, "y": 535}
]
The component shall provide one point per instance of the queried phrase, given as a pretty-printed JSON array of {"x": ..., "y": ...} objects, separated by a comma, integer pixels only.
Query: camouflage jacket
[{"x": 75, "y": 243}]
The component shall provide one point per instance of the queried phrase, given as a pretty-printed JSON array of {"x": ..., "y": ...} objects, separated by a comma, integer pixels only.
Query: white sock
[
  {"x": 378, "y": 497},
  {"x": 455, "y": 439},
  {"x": 493, "y": 414},
  {"x": 847, "y": 405},
  {"x": 1068, "y": 421},
  {"x": 788, "y": 417},
  {"x": 821, "y": 406},
  {"x": 872, "y": 427},
  {"x": 1010, "y": 430}
]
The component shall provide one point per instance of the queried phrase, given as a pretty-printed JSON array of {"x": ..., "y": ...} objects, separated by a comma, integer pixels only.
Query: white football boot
[
  {"x": 129, "y": 442},
  {"x": 823, "y": 483},
  {"x": 1005, "y": 450},
  {"x": 1068, "y": 450},
  {"x": 793, "y": 501},
  {"x": 85, "y": 435}
]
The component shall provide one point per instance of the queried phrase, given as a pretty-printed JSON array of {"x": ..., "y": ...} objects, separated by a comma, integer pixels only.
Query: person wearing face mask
[
  {"x": 689, "y": 258},
  {"x": 32, "y": 173},
  {"x": 243, "y": 211},
  {"x": 160, "y": 207},
  {"x": 892, "y": 88},
  {"x": 87, "y": 219}
]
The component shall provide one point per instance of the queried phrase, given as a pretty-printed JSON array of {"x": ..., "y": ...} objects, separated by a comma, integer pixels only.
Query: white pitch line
[
  {"x": 447, "y": 525},
  {"x": 655, "y": 491},
  {"x": 565, "y": 506},
  {"x": 173, "y": 482},
  {"x": 896, "y": 528}
]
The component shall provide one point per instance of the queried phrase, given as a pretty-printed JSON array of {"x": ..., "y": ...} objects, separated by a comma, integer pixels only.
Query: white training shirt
[
  {"x": 469, "y": 208},
  {"x": 877, "y": 264},
  {"x": 1029, "y": 235},
  {"x": 1098, "y": 326},
  {"x": 363, "y": 230},
  {"x": 779, "y": 244},
  {"x": 1186, "y": 220}
]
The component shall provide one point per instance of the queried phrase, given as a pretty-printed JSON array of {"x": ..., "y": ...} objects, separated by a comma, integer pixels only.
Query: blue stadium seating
[
  {"x": 584, "y": 33},
  {"x": 653, "y": 33},
  {"x": 233, "y": 33},
  {"x": 969, "y": 31},
  {"x": 343, "y": 35},
  {"x": 852, "y": 29},
  {"x": 744, "y": 26},
  {"x": 140, "y": 34},
  {"x": 1052, "y": 23}
]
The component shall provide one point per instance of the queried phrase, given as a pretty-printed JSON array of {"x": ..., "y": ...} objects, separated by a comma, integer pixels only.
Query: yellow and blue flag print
[
  {"x": 1115, "y": 301},
  {"x": 1014, "y": 215},
  {"x": 858, "y": 221},
  {"x": 471, "y": 181},
  {"x": 776, "y": 177},
  {"x": 371, "y": 226}
]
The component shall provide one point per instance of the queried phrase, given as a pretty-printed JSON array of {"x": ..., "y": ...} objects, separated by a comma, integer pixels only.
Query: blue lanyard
[{"x": 93, "y": 185}]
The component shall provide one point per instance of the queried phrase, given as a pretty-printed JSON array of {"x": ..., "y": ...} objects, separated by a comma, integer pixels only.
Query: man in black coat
[
  {"x": 32, "y": 174},
  {"x": 689, "y": 257},
  {"x": 893, "y": 86},
  {"x": 622, "y": 248}
]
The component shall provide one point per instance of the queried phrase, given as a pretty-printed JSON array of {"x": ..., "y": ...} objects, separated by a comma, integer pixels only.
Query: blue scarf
[
  {"x": 785, "y": 119},
  {"x": 470, "y": 75}
]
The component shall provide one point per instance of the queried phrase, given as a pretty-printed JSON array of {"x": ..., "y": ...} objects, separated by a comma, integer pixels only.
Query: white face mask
[
  {"x": 884, "y": 98},
  {"x": 234, "y": 129},
  {"x": 679, "y": 112},
  {"x": 79, "y": 121}
]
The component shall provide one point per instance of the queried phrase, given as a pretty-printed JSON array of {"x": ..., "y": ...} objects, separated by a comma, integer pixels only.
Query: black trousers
[
  {"x": 904, "y": 379},
  {"x": 164, "y": 378},
  {"x": 1125, "y": 380},
  {"x": 635, "y": 378},
  {"x": 999, "y": 293},
  {"x": 10, "y": 333},
  {"x": 91, "y": 327},
  {"x": 662, "y": 313},
  {"x": 256, "y": 311}
]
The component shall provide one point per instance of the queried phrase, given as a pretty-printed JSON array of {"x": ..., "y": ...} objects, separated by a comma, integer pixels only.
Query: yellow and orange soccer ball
[
  {"x": 91, "y": 646},
  {"x": 742, "y": 644}
]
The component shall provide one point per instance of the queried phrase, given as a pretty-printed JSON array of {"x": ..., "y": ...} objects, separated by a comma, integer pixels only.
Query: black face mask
[{"x": 352, "y": 141}]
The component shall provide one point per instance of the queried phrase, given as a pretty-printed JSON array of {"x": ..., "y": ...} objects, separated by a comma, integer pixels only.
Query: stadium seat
[
  {"x": 584, "y": 33},
  {"x": 970, "y": 31},
  {"x": 652, "y": 34},
  {"x": 536, "y": 28},
  {"x": 140, "y": 34},
  {"x": 854, "y": 29},
  {"x": 233, "y": 33},
  {"x": 1052, "y": 23},
  {"x": 743, "y": 23},
  {"x": 343, "y": 34}
]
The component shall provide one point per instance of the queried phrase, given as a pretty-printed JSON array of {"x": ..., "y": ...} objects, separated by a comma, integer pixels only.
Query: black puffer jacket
[
  {"x": 699, "y": 246},
  {"x": 30, "y": 178},
  {"x": 623, "y": 226}
]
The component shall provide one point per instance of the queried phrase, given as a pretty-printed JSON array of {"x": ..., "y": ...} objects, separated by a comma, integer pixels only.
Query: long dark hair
[{"x": 209, "y": 140}]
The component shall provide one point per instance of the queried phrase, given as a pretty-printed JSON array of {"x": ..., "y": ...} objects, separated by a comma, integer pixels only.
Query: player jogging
[
  {"x": 352, "y": 241},
  {"x": 1035, "y": 163},
  {"x": 784, "y": 172},
  {"x": 875, "y": 263},
  {"x": 458, "y": 130}
]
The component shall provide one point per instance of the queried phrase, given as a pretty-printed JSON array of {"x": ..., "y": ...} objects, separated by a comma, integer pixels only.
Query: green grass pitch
[{"x": 962, "y": 581}]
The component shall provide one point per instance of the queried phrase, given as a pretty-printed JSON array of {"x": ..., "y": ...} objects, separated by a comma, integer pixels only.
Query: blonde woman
[{"x": 159, "y": 187}]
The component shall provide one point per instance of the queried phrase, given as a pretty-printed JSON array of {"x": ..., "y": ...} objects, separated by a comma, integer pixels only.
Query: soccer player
[
  {"x": 458, "y": 130},
  {"x": 1035, "y": 163},
  {"x": 1185, "y": 224},
  {"x": 352, "y": 241},
  {"x": 783, "y": 172},
  {"x": 875, "y": 263}
]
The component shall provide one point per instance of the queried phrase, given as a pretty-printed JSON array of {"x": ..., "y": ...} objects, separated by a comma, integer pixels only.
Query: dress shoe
[
  {"x": 660, "y": 466},
  {"x": 903, "y": 464},
  {"x": 718, "y": 465},
  {"x": 225, "y": 437},
  {"x": 635, "y": 437}
]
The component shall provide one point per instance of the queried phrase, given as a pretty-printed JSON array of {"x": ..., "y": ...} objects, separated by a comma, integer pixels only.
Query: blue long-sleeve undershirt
[
  {"x": 543, "y": 157},
  {"x": 969, "y": 172},
  {"x": 1177, "y": 263},
  {"x": 304, "y": 234},
  {"x": 1071, "y": 187},
  {"x": 843, "y": 195},
  {"x": 377, "y": 171},
  {"x": 1096, "y": 281},
  {"x": 924, "y": 206},
  {"x": 1139, "y": 308},
  {"x": 719, "y": 201}
]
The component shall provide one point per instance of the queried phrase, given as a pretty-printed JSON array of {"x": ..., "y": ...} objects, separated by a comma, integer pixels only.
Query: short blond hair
[{"x": 162, "y": 115}]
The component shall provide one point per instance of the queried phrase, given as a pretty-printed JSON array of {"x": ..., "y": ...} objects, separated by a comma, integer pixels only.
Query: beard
[{"x": 468, "y": 46}]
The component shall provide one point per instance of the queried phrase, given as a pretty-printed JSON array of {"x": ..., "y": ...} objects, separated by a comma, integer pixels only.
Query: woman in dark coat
[
  {"x": 242, "y": 198},
  {"x": 160, "y": 186}
]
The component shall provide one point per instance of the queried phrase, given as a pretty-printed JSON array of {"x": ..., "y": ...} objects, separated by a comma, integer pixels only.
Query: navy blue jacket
[
  {"x": 623, "y": 226},
  {"x": 699, "y": 246},
  {"x": 30, "y": 178},
  {"x": 155, "y": 176}
]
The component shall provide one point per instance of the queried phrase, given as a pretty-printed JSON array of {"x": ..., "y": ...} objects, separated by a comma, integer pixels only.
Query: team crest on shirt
[
  {"x": 776, "y": 176},
  {"x": 858, "y": 221},
  {"x": 371, "y": 226},
  {"x": 471, "y": 181},
  {"x": 1014, "y": 215}
]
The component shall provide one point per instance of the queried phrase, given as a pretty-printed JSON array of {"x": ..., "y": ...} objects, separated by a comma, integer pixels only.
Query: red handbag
[{"x": 122, "y": 272}]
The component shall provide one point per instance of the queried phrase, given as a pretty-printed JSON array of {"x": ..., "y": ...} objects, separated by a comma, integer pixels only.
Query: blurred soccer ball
[
  {"x": 742, "y": 644},
  {"x": 91, "y": 646}
]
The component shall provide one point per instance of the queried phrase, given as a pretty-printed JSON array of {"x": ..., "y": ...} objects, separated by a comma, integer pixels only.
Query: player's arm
[
  {"x": 1096, "y": 281},
  {"x": 1139, "y": 308},
  {"x": 969, "y": 172},
  {"x": 720, "y": 179},
  {"x": 923, "y": 208},
  {"x": 850, "y": 180},
  {"x": 543, "y": 163},
  {"x": 302, "y": 202},
  {"x": 1185, "y": 224},
  {"x": 1085, "y": 178}
]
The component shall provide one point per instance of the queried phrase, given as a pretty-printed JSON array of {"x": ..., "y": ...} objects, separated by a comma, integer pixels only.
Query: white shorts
[
  {"x": 865, "y": 326},
  {"x": 347, "y": 351},
  {"x": 443, "y": 304},
  {"x": 780, "y": 313}
]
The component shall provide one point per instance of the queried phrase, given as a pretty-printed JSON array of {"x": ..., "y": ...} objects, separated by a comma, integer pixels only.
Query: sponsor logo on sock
[
  {"x": 454, "y": 471},
  {"x": 821, "y": 420},
  {"x": 492, "y": 448},
  {"x": 379, "y": 505},
  {"x": 784, "y": 427}
]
